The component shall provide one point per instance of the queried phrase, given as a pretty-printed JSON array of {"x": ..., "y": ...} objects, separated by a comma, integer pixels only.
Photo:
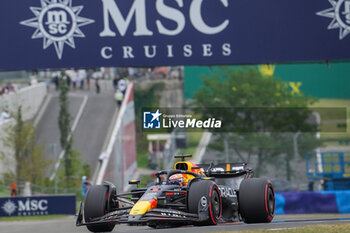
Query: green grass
[
  {"x": 145, "y": 180},
  {"x": 333, "y": 138},
  {"x": 338, "y": 228},
  {"x": 142, "y": 160},
  {"x": 193, "y": 141},
  {"x": 31, "y": 218},
  {"x": 4, "y": 192}
]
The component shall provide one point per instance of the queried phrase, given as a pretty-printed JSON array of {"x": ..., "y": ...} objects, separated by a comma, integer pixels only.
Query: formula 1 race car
[{"x": 191, "y": 194}]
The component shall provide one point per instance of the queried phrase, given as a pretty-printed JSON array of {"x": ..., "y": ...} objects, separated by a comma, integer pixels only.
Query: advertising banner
[
  {"x": 37, "y": 205},
  {"x": 318, "y": 80},
  {"x": 79, "y": 33}
]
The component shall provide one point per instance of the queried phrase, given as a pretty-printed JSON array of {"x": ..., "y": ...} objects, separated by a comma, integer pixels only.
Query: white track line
[
  {"x": 42, "y": 109},
  {"x": 74, "y": 126}
]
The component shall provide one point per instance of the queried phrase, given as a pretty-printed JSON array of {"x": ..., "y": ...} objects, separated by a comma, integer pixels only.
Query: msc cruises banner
[
  {"x": 37, "y": 205},
  {"x": 81, "y": 33}
]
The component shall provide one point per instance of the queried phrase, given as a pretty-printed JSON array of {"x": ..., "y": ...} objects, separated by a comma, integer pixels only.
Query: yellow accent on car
[{"x": 140, "y": 207}]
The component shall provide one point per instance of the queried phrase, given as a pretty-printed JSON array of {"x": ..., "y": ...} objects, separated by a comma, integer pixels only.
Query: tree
[
  {"x": 257, "y": 112},
  {"x": 31, "y": 165},
  {"x": 66, "y": 139}
]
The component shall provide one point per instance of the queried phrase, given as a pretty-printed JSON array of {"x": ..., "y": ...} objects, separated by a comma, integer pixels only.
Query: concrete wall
[
  {"x": 30, "y": 98},
  {"x": 7, "y": 161}
]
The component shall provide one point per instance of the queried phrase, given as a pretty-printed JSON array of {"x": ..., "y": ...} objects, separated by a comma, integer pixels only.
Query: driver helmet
[{"x": 177, "y": 179}]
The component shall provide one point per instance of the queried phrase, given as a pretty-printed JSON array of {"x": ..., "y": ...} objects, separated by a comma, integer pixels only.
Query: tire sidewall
[
  {"x": 206, "y": 188},
  {"x": 255, "y": 197}
]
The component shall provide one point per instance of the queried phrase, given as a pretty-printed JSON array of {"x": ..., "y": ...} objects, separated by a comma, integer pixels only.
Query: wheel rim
[
  {"x": 271, "y": 201},
  {"x": 216, "y": 204}
]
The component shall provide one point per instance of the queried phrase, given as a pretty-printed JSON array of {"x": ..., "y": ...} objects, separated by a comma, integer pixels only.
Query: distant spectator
[
  {"x": 88, "y": 77},
  {"x": 86, "y": 184},
  {"x": 33, "y": 80},
  {"x": 47, "y": 83},
  {"x": 119, "y": 97},
  {"x": 56, "y": 80},
  {"x": 82, "y": 77},
  {"x": 13, "y": 189},
  {"x": 102, "y": 157},
  {"x": 4, "y": 115},
  {"x": 115, "y": 82},
  {"x": 97, "y": 85},
  {"x": 122, "y": 85}
]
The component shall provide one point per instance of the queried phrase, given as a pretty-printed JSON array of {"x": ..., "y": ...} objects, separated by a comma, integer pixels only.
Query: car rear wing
[{"x": 225, "y": 170}]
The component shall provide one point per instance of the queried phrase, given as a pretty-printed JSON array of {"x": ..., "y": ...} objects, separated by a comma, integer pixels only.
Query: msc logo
[
  {"x": 9, "y": 207},
  {"x": 151, "y": 120},
  {"x": 25, "y": 206},
  {"x": 340, "y": 15},
  {"x": 58, "y": 23}
]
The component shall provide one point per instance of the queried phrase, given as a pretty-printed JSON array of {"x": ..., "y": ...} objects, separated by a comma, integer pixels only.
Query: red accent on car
[
  {"x": 211, "y": 214},
  {"x": 107, "y": 201},
  {"x": 153, "y": 203},
  {"x": 220, "y": 202},
  {"x": 267, "y": 209}
]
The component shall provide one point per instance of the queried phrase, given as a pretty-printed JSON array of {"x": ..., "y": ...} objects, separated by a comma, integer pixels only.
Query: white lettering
[
  {"x": 191, "y": 123},
  {"x": 104, "y": 52},
  {"x": 226, "y": 49},
  {"x": 34, "y": 205},
  {"x": 181, "y": 124},
  {"x": 172, "y": 14},
  {"x": 43, "y": 205},
  {"x": 23, "y": 206},
  {"x": 198, "y": 22},
  {"x": 57, "y": 17},
  {"x": 188, "y": 50},
  {"x": 207, "y": 50},
  {"x": 127, "y": 51},
  {"x": 206, "y": 124},
  {"x": 170, "y": 51},
  {"x": 147, "y": 53},
  {"x": 138, "y": 9}
]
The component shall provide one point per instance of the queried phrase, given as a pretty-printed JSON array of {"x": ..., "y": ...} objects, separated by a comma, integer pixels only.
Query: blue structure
[
  {"x": 332, "y": 167},
  {"x": 313, "y": 202}
]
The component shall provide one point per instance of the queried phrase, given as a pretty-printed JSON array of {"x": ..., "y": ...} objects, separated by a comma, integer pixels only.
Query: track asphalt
[
  {"x": 92, "y": 118},
  {"x": 67, "y": 225}
]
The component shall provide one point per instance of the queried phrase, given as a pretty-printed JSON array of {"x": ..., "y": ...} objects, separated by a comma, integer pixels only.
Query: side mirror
[{"x": 133, "y": 182}]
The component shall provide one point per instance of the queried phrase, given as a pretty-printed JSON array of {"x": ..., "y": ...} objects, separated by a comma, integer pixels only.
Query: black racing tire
[
  {"x": 256, "y": 200},
  {"x": 210, "y": 190},
  {"x": 96, "y": 206}
]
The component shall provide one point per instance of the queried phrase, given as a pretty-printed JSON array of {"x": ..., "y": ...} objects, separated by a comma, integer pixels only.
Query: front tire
[
  {"x": 256, "y": 200},
  {"x": 96, "y": 206},
  {"x": 209, "y": 190}
]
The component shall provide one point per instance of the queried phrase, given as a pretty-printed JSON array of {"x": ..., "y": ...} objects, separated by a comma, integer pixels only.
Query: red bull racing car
[{"x": 191, "y": 194}]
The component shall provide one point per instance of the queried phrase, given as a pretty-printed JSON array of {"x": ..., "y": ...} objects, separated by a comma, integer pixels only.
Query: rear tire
[
  {"x": 209, "y": 190},
  {"x": 96, "y": 206},
  {"x": 256, "y": 200}
]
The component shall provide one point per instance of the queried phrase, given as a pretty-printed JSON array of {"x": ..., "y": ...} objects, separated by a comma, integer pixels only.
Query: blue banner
[
  {"x": 37, "y": 205},
  {"x": 312, "y": 202},
  {"x": 79, "y": 33}
]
